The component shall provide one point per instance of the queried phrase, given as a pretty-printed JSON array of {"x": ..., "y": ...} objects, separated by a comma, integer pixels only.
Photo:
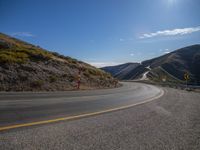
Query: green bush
[
  {"x": 9, "y": 57},
  {"x": 21, "y": 55}
]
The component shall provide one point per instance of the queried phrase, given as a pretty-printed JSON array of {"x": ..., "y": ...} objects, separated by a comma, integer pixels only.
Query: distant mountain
[
  {"x": 25, "y": 67},
  {"x": 122, "y": 71},
  {"x": 171, "y": 66}
]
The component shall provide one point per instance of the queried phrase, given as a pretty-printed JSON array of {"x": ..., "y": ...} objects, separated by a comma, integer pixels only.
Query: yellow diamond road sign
[{"x": 186, "y": 76}]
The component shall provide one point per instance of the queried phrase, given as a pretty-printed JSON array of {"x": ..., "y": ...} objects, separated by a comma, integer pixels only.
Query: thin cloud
[
  {"x": 173, "y": 32},
  {"x": 23, "y": 34},
  {"x": 132, "y": 54},
  {"x": 102, "y": 64}
]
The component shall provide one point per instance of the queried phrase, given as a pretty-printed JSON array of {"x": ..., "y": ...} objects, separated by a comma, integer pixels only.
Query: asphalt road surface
[{"x": 152, "y": 121}]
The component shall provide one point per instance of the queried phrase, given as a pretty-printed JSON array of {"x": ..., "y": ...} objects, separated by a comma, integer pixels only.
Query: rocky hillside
[
  {"x": 25, "y": 67},
  {"x": 171, "y": 67}
]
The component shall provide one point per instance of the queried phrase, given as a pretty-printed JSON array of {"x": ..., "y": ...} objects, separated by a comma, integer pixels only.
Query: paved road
[
  {"x": 171, "y": 122},
  {"x": 20, "y": 108}
]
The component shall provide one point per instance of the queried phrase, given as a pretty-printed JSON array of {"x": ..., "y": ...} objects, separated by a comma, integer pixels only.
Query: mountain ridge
[{"x": 176, "y": 63}]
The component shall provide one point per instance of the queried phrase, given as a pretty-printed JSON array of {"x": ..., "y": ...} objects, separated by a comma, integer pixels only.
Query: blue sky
[{"x": 104, "y": 32}]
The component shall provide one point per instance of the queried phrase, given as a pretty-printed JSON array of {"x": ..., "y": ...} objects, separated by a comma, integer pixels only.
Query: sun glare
[{"x": 171, "y": 1}]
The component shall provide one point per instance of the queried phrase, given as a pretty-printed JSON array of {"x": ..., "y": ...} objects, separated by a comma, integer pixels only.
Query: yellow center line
[{"x": 78, "y": 116}]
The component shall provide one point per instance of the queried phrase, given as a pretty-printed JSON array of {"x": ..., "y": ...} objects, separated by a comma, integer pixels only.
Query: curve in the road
[{"x": 17, "y": 110}]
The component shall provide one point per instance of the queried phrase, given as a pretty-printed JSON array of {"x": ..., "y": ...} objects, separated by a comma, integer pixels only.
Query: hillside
[
  {"x": 123, "y": 71},
  {"x": 25, "y": 67},
  {"x": 180, "y": 61},
  {"x": 171, "y": 66},
  {"x": 127, "y": 71}
]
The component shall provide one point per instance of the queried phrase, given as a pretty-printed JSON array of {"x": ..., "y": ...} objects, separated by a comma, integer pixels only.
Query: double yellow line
[{"x": 77, "y": 116}]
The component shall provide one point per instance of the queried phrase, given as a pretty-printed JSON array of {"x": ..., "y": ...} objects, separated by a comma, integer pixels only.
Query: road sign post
[{"x": 186, "y": 77}]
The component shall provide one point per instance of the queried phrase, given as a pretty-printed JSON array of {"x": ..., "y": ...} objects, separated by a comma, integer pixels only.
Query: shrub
[
  {"x": 10, "y": 58},
  {"x": 71, "y": 60},
  {"x": 53, "y": 78},
  {"x": 38, "y": 55},
  {"x": 92, "y": 71},
  {"x": 86, "y": 73},
  {"x": 37, "y": 83},
  {"x": 65, "y": 75}
]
